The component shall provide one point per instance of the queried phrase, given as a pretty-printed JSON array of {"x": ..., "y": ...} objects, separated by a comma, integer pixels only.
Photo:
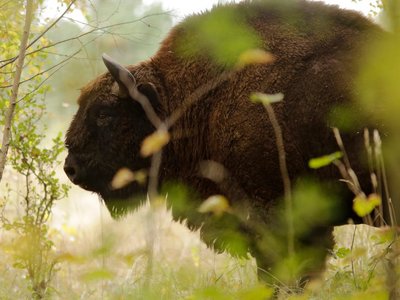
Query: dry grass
[{"x": 102, "y": 258}]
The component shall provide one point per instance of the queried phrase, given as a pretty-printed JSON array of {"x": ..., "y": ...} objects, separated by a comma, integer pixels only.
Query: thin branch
[
  {"x": 12, "y": 59},
  {"x": 40, "y": 84},
  {"x": 381, "y": 164},
  {"x": 339, "y": 141},
  {"x": 156, "y": 160},
  {"x": 52, "y": 24},
  {"x": 14, "y": 94},
  {"x": 285, "y": 176},
  {"x": 69, "y": 55},
  {"x": 43, "y": 72},
  {"x": 61, "y": 65}
]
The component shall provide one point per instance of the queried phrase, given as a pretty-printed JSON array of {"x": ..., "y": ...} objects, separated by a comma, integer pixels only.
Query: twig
[
  {"x": 285, "y": 176},
  {"x": 153, "y": 175},
  {"x": 12, "y": 59},
  {"x": 59, "y": 65},
  {"x": 45, "y": 71},
  {"x": 51, "y": 25},
  {"x": 14, "y": 94},
  {"x": 381, "y": 164},
  {"x": 339, "y": 141}
]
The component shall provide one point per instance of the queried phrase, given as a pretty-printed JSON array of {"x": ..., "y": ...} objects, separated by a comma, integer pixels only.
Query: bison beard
[{"x": 315, "y": 63}]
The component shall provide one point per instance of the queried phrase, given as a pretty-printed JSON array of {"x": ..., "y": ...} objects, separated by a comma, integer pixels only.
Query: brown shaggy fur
[{"x": 315, "y": 47}]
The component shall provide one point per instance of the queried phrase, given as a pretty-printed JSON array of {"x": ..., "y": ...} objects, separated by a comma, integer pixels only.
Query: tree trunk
[{"x": 14, "y": 95}]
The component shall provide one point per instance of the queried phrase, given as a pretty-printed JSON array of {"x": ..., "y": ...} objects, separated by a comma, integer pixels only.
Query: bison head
[{"x": 106, "y": 132}]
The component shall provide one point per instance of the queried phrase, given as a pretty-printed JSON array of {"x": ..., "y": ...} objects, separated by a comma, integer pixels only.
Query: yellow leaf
[
  {"x": 254, "y": 56},
  {"x": 140, "y": 176},
  {"x": 266, "y": 99},
  {"x": 364, "y": 206},
  {"x": 122, "y": 178},
  {"x": 154, "y": 142},
  {"x": 216, "y": 204},
  {"x": 375, "y": 199},
  {"x": 69, "y": 230},
  {"x": 70, "y": 258},
  {"x": 97, "y": 275}
]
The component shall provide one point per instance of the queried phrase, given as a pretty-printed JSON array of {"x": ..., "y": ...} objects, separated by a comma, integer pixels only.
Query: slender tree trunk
[{"x": 14, "y": 94}]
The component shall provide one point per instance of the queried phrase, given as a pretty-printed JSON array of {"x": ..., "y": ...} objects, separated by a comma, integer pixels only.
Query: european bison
[{"x": 315, "y": 49}]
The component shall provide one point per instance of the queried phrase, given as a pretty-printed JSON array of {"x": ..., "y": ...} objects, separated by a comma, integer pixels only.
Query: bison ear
[
  {"x": 122, "y": 76},
  {"x": 149, "y": 90}
]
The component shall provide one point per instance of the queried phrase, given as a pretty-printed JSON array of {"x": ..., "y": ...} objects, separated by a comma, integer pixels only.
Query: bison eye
[{"x": 104, "y": 119}]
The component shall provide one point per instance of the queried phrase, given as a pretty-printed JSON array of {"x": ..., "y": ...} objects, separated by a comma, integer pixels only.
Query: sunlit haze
[
  {"x": 182, "y": 8},
  {"x": 179, "y": 9}
]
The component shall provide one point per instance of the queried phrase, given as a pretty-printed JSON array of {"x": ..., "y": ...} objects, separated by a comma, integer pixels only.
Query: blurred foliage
[
  {"x": 378, "y": 92},
  {"x": 31, "y": 184},
  {"x": 154, "y": 142},
  {"x": 223, "y": 35},
  {"x": 378, "y": 86},
  {"x": 364, "y": 206},
  {"x": 391, "y": 12},
  {"x": 355, "y": 274}
]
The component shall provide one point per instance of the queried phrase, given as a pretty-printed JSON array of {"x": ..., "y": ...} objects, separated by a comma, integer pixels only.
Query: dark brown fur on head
[
  {"x": 105, "y": 136},
  {"x": 315, "y": 48}
]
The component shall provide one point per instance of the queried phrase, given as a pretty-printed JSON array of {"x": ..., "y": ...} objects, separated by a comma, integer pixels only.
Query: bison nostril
[
  {"x": 71, "y": 168},
  {"x": 70, "y": 171}
]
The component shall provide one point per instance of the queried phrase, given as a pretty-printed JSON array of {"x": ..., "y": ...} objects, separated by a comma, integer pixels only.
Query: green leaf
[
  {"x": 223, "y": 34},
  {"x": 259, "y": 292},
  {"x": 266, "y": 99},
  {"x": 70, "y": 258},
  {"x": 99, "y": 274},
  {"x": 254, "y": 56},
  {"x": 343, "y": 252},
  {"x": 364, "y": 206},
  {"x": 323, "y": 161},
  {"x": 19, "y": 265},
  {"x": 154, "y": 142},
  {"x": 211, "y": 292}
]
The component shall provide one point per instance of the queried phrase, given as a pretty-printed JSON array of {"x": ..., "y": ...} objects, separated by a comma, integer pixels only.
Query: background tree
[
  {"x": 124, "y": 29},
  {"x": 29, "y": 61}
]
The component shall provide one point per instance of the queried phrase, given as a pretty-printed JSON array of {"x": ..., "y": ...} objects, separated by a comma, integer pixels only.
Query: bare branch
[
  {"x": 14, "y": 95},
  {"x": 52, "y": 24},
  {"x": 285, "y": 176},
  {"x": 102, "y": 28},
  {"x": 11, "y": 60},
  {"x": 58, "y": 66},
  {"x": 43, "y": 72}
]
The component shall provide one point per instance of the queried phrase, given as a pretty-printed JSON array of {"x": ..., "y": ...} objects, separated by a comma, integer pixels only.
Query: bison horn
[{"x": 124, "y": 78}]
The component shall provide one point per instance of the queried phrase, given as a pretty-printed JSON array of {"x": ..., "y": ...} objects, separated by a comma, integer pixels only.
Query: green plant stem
[{"x": 285, "y": 177}]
